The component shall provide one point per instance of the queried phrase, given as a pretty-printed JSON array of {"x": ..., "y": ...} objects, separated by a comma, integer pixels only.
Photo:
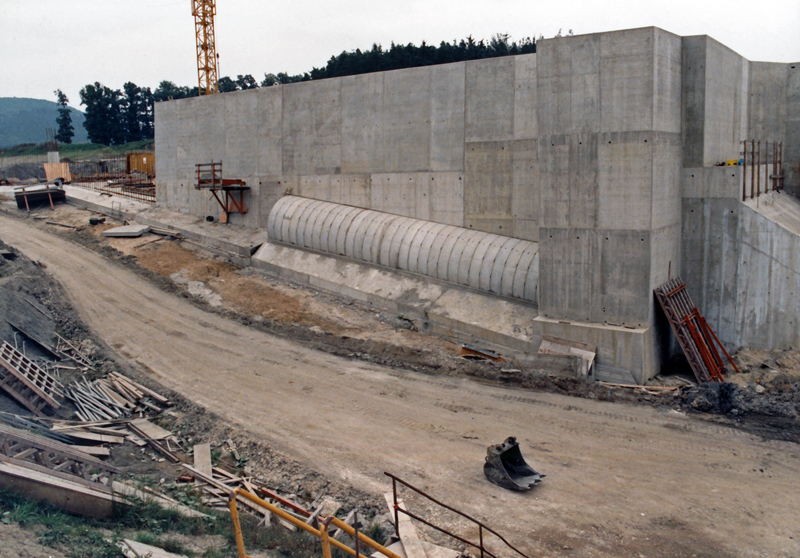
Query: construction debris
[
  {"x": 27, "y": 382},
  {"x": 471, "y": 352},
  {"x": 695, "y": 336},
  {"x": 585, "y": 354},
  {"x": 506, "y": 467},
  {"x": 127, "y": 231},
  {"x": 134, "y": 549}
]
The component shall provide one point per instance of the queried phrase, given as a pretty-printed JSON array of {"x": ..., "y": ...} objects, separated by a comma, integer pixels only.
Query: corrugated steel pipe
[{"x": 484, "y": 261}]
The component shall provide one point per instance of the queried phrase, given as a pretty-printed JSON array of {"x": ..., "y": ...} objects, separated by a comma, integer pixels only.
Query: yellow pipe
[
  {"x": 237, "y": 528},
  {"x": 290, "y": 518},
  {"x": 326, "y": 545},
  {"x": 363, "y": 538}
]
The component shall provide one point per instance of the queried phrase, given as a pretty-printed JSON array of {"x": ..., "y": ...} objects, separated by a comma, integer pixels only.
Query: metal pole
[
  {"x": 237, "y": 528},
  {"x": 480, "y": 534},
  {"x": 752, "y": 169},
  {"x": 355, "y": 528},
  {"x": 326, "y": 543},
  {"x": 758, "y": 175},
  {"x": 396, "y": 515},
  {"x": 744, "y": 173}
]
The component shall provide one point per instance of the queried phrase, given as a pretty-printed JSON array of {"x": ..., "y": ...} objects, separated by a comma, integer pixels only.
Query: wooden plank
[
  {"x": 202, "y": 459},
  {"x": 95, "y": 437},
  {"x": 94, "y": 450},
  {"x": 408, "y": 533},
  {"x": 145, "y": 390},
  {"x": 150, "y": 430},
  {"x": 134, "y": 549}
]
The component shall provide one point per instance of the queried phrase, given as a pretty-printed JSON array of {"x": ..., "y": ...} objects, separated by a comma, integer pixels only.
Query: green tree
[
  {"x": 246, "y": 82},
  {"x": 65, "y": 131},
  {"x": 167, "y": 91},
  {"x": 104, "y": 121},
  {"x": 226, "y": 84}
]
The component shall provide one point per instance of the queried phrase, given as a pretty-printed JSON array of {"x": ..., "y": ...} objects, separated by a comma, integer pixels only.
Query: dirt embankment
[{"x": 763, "y": 398}]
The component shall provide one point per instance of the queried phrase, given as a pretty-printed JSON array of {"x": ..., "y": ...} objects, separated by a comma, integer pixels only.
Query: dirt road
[{"x": 622, "y": 480}]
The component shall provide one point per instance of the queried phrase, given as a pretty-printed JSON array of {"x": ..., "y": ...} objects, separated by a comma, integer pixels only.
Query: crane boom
[{"x": 204, "y": 12}]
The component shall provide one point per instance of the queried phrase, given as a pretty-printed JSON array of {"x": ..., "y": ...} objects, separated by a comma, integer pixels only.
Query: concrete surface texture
[{"x": 585, "y": 147}]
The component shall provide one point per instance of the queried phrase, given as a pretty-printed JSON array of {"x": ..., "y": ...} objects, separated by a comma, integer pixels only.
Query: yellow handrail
[{"x": 321, "y": 534}]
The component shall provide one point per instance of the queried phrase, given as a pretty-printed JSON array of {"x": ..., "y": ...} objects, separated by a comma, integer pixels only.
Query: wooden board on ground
[
  {"x": 150, "y": 430},
  {"x": 133, "y": 549},
  {"x": 408, "y": 533},
  {"x": 432, "y": 550},
  {"x": 202, "y": 458}
]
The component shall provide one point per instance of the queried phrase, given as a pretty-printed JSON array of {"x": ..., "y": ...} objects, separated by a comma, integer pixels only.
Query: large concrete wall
[{"x": 600, "y": 148}]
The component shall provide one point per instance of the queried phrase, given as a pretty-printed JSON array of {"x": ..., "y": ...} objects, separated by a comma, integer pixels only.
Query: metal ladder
[{"x": 27, "y": 382}]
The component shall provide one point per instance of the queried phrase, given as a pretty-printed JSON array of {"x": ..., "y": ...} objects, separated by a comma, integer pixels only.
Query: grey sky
[{"x": 50, "y": 44}]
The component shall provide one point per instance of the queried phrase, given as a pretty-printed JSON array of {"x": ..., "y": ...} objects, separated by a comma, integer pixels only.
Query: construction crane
[{"x": 207, "y": 58}]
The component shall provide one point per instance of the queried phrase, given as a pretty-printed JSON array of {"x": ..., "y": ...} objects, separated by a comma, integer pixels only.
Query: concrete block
[
  {"x": 526, "y": 192},
  {"x": 666, "y": 197},
  {"x": 568, "y": 170},
  {"x": 317, "y": 186},
  {"x": 489, "y": 111}
]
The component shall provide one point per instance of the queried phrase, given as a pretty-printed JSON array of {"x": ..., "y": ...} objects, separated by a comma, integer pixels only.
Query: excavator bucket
[{"x": 505, "y": 467}]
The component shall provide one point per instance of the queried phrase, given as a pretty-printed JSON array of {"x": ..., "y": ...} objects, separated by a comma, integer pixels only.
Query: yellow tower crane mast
[{"x": 204, "y": 12}]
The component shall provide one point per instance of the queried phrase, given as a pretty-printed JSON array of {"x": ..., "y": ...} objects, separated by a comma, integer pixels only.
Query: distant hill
[{"x": 25, "y": 121}]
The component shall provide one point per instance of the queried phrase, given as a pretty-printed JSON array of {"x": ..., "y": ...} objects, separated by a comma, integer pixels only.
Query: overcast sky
[{"x": 65, "y": 44}]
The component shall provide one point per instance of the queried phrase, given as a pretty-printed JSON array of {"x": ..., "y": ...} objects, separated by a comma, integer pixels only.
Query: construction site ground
[{"x": 325, "y": 395}]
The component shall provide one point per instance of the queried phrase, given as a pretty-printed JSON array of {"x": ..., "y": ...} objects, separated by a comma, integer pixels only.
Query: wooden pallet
[
  {"x": 695, "y": 336},
  {"x": 27, "y": 382},
  {"x": 53, "y": 458}
]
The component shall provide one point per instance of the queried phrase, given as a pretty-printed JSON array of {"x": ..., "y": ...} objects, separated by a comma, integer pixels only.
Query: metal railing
[
  {"x": 761, "y": 168},
  {"x": 321, "y": 533},
  {"x": 481, "y": 526}
]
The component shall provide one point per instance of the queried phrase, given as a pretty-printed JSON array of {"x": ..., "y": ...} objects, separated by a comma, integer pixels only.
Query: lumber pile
[{"x": 113, "y": 397}]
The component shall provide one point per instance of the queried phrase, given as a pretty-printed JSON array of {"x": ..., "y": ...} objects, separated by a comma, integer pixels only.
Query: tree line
[{"x": 116, "y": 116}]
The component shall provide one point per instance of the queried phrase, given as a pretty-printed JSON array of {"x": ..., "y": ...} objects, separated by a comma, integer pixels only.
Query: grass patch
[
  {"x": 82, "y": 537},
  {"x": 79, "y": 150}
]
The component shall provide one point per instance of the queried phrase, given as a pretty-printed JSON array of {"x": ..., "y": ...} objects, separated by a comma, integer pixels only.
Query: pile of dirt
[{"x": 24, "y": 171}]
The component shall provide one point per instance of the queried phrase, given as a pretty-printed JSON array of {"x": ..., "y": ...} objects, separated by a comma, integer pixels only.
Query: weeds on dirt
[{"x": 81, "y": 537}]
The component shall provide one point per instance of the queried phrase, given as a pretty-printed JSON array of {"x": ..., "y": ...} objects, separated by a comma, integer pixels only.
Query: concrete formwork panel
[
  {"x": 666, "y": 185},
  {"x": 312, "y": 127},
  {"x": 406, "y": 121},
  {"x": 526, "y": 119},
  {"x": 394, "y": 193},
  {"x": 489, "y": 111},
  {"x": 447, "y": 198},
  {"x": 667, "y": 81},
  {"x": 362, "y": 132},
  {"x": 767, "y": 107},
  {"x": 726, "y": 103},
  {"x": 488, "y": 184},
  {"x": 447, "y": 106},
  {"x": 240, "y": 129},
  {"x": 568, "y": 171},
  {"x": 269, "y": 132},
  {"x": 526, "y": 193},
  {"x": 317, "y": 186},
  {"x": 595, "y": 276},
  {"x": 626, "y": 80},
  {"x": 625, "y": 181}
]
